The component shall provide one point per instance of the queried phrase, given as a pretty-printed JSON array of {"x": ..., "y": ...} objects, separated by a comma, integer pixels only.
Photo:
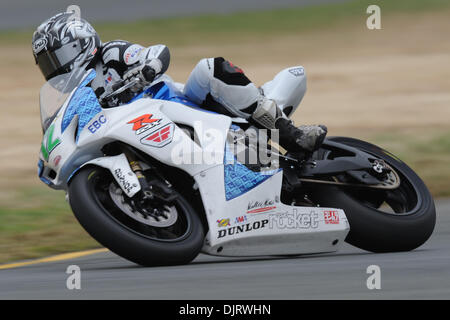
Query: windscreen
[{"x": 55, "y": 92}]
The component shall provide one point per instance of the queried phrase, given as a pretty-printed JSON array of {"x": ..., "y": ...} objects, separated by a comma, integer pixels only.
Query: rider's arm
[
  {"x": 158, "y": 57},
  {"x": 124, "y": 56}
]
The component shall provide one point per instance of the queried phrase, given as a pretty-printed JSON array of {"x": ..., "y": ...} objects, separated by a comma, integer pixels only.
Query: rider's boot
[{"x": 303, "y": 138}]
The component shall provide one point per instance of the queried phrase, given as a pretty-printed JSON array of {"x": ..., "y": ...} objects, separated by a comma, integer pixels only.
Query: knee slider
[{"x": 228, "y": 73}]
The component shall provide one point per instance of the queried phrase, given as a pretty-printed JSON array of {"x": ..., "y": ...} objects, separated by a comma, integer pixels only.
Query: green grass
[
  {"x": 38, "y": 222},
  {"x": 427, "y": 153},
  {"x": 180, "y": 31}
]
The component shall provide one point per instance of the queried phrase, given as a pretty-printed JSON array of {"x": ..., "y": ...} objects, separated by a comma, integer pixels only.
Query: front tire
[
  {"x": 405, "y": 228},
  {"x": 142, "y": 244}
]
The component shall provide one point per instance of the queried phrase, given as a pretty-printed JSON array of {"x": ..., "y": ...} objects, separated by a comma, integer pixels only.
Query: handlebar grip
[{"x": 148, "y": 73}]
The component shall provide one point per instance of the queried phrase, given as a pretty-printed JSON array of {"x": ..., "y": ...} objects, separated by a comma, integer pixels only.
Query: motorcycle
[{"x": 124, "y": 172}]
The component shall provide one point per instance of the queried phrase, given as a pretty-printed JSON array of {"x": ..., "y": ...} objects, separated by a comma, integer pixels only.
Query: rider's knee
[
  {"x": 204, "y": 68},
  {"x": 228, "y": 73}
]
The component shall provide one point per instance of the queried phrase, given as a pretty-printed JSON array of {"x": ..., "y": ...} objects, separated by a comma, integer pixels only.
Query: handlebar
[{"x": 118, "y": 88}]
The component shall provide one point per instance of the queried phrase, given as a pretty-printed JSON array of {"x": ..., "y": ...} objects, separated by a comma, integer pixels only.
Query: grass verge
[
  {"x": 229, "y": 28},
  {"x": 38, "y": 222},
  {"x": 427, "y": 153}
]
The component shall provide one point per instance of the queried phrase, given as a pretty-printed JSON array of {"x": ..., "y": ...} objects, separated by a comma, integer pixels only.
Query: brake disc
[{"x": 170, "y": 212}]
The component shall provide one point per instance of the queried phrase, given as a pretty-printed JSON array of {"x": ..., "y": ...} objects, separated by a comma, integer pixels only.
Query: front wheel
[
  {"x": 400, "y": 219},
  {"x": 163, "y": 234}
]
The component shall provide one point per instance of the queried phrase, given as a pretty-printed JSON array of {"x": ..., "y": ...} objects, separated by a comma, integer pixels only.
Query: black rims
[
  {"x": 151, "y": 232},
  {"x": 398, "y": 215}
]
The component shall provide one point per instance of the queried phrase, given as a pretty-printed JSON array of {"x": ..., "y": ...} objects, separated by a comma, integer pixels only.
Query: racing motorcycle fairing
[
  {"x": 69, "y": 143},
  {"x": 258, "y": 223},
  {"x": 243, "y": 209}
]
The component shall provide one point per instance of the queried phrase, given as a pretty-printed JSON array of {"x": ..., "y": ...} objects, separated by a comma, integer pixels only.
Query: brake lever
[{"x": 122, "y": 87}]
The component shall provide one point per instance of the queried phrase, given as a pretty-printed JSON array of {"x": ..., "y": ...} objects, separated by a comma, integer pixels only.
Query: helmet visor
[{"x": 56, "y": 62}]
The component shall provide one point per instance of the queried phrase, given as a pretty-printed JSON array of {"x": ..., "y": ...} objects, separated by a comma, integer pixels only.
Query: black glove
[
  {"x": 144, "y": 73},
  {"x": 148, "y": 73}
]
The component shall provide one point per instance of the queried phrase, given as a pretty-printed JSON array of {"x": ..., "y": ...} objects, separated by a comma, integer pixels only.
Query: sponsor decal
[
  {"x": 143, "y": 123},
  {"x": 48, "y": 143},
  {"x": 240, "y": 219},
  {"x": 294, "y": 220},
  {"x": 39, "y": 44},
  {"x": 331, "y": 217},
  {"x": 97, "y": 124},
  {"x": 57, "y": 160},
  {"x": 160, "y": 137},
  {"x": 261, "y": 206},
  {"x": 299, "y": 71},
  {"x": 122, "y": 179},
  {"x": 223, "y": 223},
  {"x": 131, "y": 53},
  {"x": 108, "y": 78},
  {"x": 233, "y": 67},
  {"x": 243, "y": 228}
]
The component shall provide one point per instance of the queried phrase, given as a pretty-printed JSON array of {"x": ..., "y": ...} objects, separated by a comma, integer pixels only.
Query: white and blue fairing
[
  {"x": 77, "y": 127},
  {"x": 84, "y": 104},
  {"x": 82, "y": 107}
]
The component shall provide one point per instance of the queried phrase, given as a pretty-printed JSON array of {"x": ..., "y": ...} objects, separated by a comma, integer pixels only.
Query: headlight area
[{"x": 46, "y": 174}]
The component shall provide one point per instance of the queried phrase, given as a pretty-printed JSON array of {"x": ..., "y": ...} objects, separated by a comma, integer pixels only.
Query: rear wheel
[
  {"x": 150, "y": 234},
  {"x": 382, "y": 220}
]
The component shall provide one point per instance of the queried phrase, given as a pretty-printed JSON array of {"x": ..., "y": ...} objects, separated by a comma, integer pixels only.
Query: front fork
[
  {"x": 149, "y": 191},
  {"x": 137, "y": 169}
]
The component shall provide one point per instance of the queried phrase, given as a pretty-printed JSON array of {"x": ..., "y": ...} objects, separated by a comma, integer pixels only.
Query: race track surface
[{"x": 421, "y": 274}]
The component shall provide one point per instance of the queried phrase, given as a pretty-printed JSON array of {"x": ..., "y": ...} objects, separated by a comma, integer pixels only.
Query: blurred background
[{"x": 389, "y": 86}]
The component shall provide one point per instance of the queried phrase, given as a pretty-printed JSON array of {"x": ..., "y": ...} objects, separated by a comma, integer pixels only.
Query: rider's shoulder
[{"x": 115, "y": 44}]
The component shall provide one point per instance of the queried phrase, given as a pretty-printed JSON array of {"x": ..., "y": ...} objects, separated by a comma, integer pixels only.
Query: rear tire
[
  {"x": 372, "y": 229},
  {"x": 139, "y": 248}
]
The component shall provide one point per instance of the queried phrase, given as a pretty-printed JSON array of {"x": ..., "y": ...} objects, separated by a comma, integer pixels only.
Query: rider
[{"x": 64, "y": 42}]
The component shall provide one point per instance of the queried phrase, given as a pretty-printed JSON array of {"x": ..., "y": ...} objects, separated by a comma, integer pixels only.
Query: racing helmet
[{"x": 63, "y": 43}]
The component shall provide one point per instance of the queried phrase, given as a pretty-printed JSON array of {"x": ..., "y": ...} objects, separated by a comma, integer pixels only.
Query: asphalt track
[
  {"x": 26, "y": 13},
  {"x": 421, "y": 274}
]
